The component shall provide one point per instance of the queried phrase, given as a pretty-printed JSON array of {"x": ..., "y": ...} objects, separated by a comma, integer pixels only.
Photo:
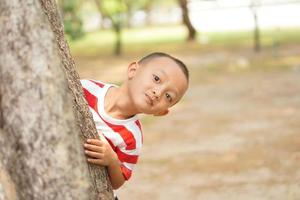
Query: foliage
[{"x": 73, "y": 24}]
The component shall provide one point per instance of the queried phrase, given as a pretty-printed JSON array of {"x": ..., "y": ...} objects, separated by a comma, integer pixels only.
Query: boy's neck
[{"x": 117, "y": 104}]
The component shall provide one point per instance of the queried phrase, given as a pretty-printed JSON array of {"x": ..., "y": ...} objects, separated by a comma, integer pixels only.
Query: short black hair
[{"x": 153, "y": 55}]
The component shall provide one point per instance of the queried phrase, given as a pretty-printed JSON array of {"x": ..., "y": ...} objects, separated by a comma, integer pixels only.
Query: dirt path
[{"x": 234, "y": 136}]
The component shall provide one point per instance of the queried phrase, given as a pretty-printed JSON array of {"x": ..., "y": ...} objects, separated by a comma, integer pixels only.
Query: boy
[{"x": 153, "y": 85}]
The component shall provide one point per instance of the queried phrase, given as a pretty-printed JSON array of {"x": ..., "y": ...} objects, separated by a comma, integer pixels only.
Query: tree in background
[
  {"x": 186, "y": 20},
  {"x": 134, "y": 6},
  {"x": 131, "y": 8},
  {"x": 41, "y": 155},
  {"x": 69, "y": 10},
  {"x": 147, "y": 8},
  {"x": 256, "y": 33},
  {"x": 115, "y": 11}
]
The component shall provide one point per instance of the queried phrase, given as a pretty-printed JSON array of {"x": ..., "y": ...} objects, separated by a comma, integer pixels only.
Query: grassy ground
[
  {"x": 235, "y": 135},
  {"x": 172, "y": 39}
]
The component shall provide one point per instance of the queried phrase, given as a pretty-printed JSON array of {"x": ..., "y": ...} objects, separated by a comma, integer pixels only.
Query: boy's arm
[
  {"x": 101, "y": 153},
  {"x": 115, "y": 174}
]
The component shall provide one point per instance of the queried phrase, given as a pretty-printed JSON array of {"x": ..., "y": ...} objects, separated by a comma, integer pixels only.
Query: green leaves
[
  {"x": 113, "y": 7},
  {"x": 72, "y": 21}
]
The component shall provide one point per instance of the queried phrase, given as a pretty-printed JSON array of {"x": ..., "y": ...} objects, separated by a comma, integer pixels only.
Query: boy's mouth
[{"x": 148, "y": 99}]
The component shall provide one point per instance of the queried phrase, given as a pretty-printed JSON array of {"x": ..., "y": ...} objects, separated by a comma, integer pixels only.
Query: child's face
[{"x": 156, "y": 86}]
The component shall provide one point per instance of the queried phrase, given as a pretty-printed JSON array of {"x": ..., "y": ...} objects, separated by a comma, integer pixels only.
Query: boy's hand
[{"x": 99, "y": 152}]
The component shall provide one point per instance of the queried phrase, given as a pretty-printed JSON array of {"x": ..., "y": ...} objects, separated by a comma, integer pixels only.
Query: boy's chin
[
  {"x": 145, "y": 108},
  {"x": 147, "y": 111}
]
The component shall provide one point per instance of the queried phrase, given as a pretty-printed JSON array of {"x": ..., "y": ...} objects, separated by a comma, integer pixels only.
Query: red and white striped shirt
[{"x": 124, "y": 136}]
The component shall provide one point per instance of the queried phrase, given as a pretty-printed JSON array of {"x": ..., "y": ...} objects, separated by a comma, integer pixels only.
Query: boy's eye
[
  {"x": 156, "y": 78},
  {"x": 169, "y": 97}
]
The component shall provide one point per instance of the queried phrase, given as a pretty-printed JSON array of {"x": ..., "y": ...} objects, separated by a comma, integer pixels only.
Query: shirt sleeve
[
  {"x": 128, "y": 161},
  {"x": 127, "y": 158}
]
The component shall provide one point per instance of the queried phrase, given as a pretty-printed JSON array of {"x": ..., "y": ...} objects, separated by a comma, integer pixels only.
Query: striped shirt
[{"x": 124, "y": 136}]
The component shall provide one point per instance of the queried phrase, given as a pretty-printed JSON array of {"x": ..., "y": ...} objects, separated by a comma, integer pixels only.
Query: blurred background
[{"x": 236, "y": 133}]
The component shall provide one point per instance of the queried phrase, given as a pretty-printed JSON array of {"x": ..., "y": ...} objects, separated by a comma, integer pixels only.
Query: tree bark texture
[
  {"x": 83, "y": 116},
  {"x": 41, "y": 154},
  {"x": 186, "y": 20}
]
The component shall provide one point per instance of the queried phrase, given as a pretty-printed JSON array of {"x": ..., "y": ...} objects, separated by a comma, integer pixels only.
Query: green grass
[
  {"x": 269, "y": 37},
  {"x": 172, "y": 39},
  {"x": 134, "y": 40}
]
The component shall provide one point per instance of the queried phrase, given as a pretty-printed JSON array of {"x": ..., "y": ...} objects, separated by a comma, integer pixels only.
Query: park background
[{"x": 236, "y": 133}]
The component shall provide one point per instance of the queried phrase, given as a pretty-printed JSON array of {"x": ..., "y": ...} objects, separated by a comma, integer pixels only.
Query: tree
[
  {"x": 41, "y": 155},
  {"x": 186, "y": 20},
  {"x": 73, "y": 25},
  {"x": 114, "y": 10},
  {"x": 133, "y": 6},
  {"x": 256, "y": 33}
]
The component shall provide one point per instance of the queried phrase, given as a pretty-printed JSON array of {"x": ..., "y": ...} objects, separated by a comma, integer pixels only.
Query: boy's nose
[{"x": 156, "y": 94}]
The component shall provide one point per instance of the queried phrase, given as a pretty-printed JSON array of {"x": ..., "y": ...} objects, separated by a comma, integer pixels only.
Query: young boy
[{"x": 153, "y": 85}]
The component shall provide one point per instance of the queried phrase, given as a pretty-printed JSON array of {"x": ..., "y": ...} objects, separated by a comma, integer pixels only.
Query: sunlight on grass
[
  {"x": 137, "y": 39},
  {"x": 155, "y": 34},
  {"x": 269, "y": 37},
  {"x": 172, "y": 38}
]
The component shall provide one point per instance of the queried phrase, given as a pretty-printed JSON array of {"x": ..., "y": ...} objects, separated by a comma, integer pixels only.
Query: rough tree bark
[
  {"x": 186, "y": 20},
  {"x": 41, "y": 154}
]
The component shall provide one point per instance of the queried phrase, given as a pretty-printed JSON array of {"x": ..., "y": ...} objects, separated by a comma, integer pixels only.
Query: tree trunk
[
  {"x": 256, "y": 32},
  {"x": 41, "y": 154},
  {"x": 116, "y": 22},
  {"x": 101, "y": 12},
  {"x": 118, "y": 45},
  {"x": 254, "y": 4},
  {"x": 147, "y": 9},
  {"x": 186, "y": 20}
]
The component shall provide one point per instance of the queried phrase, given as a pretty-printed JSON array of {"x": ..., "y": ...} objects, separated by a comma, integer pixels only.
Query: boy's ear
[
  {"x": 162, "y": 113},
  {"x": 132, "y": 69}
]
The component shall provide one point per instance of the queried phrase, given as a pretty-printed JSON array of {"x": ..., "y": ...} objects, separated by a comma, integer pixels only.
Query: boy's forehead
[
  {"x": 163, "y": 64},
  {"x": 161, "y": 61}
]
